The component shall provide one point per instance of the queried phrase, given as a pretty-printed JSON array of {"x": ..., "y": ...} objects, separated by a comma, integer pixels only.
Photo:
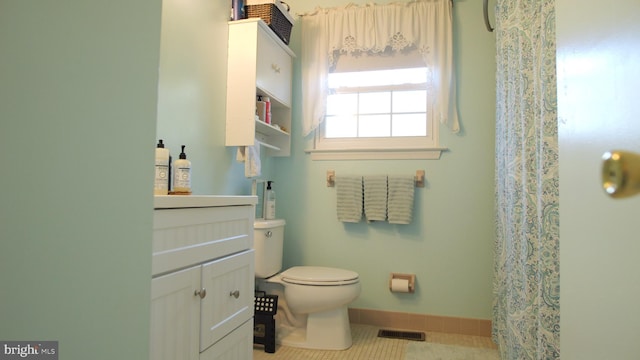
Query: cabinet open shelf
[
  {"x": 267, "y": 145},
  {"x": 269, "y": 130},
  {"x": 271, "y": 137}
]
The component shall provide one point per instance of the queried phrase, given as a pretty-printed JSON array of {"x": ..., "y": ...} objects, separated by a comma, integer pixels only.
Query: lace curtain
[
  {"x": 526, "y": 310},
  {"x": 422, "y": 24}
]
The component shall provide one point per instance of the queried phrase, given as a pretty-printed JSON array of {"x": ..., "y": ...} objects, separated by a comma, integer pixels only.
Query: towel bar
[{"x": 418, "y": 178}]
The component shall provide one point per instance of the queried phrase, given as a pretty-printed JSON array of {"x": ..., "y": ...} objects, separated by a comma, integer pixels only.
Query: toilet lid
[{"x": 319, "y": 276}]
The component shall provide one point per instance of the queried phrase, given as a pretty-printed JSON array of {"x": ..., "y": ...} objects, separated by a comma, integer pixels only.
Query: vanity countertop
[{"x": 194, "y": 201}]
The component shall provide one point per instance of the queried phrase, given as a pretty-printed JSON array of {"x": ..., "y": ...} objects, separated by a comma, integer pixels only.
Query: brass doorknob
[{"x": 621, "y": 173}]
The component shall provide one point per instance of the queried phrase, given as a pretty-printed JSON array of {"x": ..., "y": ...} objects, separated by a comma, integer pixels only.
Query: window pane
[
  {"x": 410, "y": 125},
  {"x": 341, "y": 126},
  {"x": 378, "y": 78},
  {"x": 375, "y": 103},
  {"x": 342, "y": 104},
  {"x": 374, "y": 126},
  {"x": 409, "y": 101}
]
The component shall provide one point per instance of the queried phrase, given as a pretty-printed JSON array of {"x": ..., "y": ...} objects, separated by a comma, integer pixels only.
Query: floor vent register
[{"x": 405, "y": 335}]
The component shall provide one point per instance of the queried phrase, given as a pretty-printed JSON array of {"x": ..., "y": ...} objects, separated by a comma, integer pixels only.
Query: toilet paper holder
[{"x": 411, "y": 279}]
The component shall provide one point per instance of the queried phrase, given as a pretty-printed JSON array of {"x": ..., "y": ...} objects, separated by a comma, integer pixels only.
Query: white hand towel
[
  {"x": 250, "y": 156},
  {"x": 375, "y": 198},
  {"x": 252, "y": 165},
  {"x": 400, "y": 204},
  {"x": 240, "y": 154},
  {"x": 349, "y": 198}
]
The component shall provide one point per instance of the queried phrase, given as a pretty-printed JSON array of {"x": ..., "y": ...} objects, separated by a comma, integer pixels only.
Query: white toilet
[{"x": 320, "y": 294}]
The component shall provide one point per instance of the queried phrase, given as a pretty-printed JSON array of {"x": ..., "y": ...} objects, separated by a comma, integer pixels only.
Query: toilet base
[{"x": 327, "y": 330}]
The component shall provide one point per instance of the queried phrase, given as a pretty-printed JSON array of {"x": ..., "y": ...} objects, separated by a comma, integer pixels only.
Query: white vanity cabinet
[
  {"x": 259, "y": 63},
  {"x": 202, "y": 285}
]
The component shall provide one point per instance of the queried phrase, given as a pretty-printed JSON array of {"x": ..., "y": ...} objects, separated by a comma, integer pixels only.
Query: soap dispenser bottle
[
  {"x": 270, "y": 212},
  {"x": 161, "y": 183},
  {"x": 182, "y": 175},
  {"x": 267, "y": 110}
]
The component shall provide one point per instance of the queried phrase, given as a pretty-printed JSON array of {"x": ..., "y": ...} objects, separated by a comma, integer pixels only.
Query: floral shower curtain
[{"x": 526, "y": 311}]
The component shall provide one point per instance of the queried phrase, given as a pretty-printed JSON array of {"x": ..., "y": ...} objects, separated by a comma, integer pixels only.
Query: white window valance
[{"x": 425, "y": 25}]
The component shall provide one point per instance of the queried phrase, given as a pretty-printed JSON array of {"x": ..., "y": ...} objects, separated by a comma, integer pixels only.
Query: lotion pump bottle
[
  {"x": 270, "y": 212},
  {"x": 182, "y": 175},
  {"x": 267, "y": 111},
  {"x": 161, "y": 183}
]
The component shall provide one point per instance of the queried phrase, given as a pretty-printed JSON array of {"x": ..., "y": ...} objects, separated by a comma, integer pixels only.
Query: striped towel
[
  {"x": 349, "y": 198},
  {"x": 375, "y": 198},
  {"x": 401, "y": 189}
]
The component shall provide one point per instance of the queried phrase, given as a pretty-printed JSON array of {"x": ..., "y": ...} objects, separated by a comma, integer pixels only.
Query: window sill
[{"x": 376, "y": 154}]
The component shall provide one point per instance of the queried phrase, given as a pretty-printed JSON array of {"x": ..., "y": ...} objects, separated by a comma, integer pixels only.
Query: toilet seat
[{"x": 319, "y": 276}]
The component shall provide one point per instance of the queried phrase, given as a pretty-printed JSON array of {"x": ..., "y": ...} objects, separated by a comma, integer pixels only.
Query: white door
[{"x": 599, "y": 109}]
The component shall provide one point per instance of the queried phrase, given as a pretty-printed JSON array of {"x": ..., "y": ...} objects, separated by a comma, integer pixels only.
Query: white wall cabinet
[
  {"x": 202, "y": 284},
  {"x": 259, "y": 64}
]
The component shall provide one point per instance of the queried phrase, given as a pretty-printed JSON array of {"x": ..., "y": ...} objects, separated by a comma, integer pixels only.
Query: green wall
[
  {"x": 78, "y": 87},
  {"x": 83, "y": 99},
  {"x": 449, "y": 244},
  {"x": 192, "y": 94}
]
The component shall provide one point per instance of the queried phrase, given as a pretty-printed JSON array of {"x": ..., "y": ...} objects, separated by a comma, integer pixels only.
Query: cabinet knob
[
  {"x": 202, "y": 293},
  {"x": 235, "y": 294},
  {"x": 275, "y": 68}
]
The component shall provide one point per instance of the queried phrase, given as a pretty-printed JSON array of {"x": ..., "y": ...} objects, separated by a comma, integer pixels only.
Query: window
[
  {"x": 332, "y": 35},
  {"x": 377, "y": 108},
  {"x": 377, "y": 104}
]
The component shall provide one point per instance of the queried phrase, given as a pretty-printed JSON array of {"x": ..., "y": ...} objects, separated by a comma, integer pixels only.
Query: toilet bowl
[
  {"x": 322, "y": 293},
  {"x": 319, "y": 294}
]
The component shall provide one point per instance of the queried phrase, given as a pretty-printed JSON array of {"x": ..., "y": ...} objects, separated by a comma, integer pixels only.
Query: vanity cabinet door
[
  {"x": 175, "y": 315},
  {"x": 229, "y": 302}
]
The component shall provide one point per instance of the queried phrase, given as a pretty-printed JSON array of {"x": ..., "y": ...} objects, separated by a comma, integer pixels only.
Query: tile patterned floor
[{"x": 368, "y": 346}]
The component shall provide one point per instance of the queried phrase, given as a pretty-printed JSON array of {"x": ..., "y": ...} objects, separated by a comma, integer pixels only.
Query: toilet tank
[{"x": 268, "y": 241}]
